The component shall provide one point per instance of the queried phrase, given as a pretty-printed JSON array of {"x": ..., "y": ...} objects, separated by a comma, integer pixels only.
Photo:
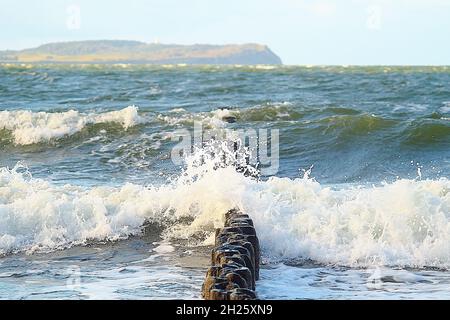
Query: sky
[{"x": 306, "y": 32}]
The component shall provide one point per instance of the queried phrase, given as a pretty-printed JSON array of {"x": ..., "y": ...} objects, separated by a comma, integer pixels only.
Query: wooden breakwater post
[{"x": 235, "y": 260}]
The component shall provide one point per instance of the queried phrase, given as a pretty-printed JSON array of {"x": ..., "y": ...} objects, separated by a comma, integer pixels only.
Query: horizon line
[{"x": 320, "y": 65}]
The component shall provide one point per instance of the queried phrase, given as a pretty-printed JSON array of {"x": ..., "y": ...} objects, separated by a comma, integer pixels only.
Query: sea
[{"x": 92, "y": 205}]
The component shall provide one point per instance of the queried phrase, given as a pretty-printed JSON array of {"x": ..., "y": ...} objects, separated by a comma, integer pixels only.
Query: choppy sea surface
[{"x": 92, "y": 207}]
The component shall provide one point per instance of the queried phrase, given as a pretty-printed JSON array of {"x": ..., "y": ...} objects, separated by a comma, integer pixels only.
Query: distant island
[{"x": 124, "y": 51}]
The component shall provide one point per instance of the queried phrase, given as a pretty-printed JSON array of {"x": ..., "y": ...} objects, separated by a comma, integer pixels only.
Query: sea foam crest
[
  {"x": 29, "y": 127},
  {"x": 404, "y": 223}
]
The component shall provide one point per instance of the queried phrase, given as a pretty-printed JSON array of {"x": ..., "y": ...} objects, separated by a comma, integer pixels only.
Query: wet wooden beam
[{"x": 235, "y": 260}]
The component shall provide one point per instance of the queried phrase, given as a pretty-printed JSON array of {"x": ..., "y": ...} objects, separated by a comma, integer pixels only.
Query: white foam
[
  {"x": 164, "y": 248},
  {"x": 29, "y": 127},
  {"x": 177, "y": 110},
  {"x": 379, "y": 276},
  {"x": 213, "y": 119},
  {"x": 403, "y": 223},
  {"x": 446, "y": 107},
  {"x": 265, "y": 67},
  {"x": 280, "y": 281},
  {"x": 132, "y": 282}
]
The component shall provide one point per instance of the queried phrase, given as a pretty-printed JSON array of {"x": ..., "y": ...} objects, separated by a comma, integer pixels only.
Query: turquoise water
[{"x": 85, "y": 157}]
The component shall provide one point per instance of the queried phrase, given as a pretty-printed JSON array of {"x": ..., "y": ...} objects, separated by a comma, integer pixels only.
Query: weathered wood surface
[{"x": 235, "y": 260}]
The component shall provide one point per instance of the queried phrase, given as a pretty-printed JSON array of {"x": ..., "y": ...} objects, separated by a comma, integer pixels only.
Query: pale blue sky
[{"x": 299, "y": 31}]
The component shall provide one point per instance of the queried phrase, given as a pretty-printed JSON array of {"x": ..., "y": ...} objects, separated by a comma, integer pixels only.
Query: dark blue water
[{"x": 353, "y": 124}]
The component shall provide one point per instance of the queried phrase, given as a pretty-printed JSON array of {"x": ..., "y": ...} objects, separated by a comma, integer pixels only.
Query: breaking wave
[
  {"x": 27, "y": 127},
  {"x": 342, "y": 124},
  {"x": 404, "y": 223}
]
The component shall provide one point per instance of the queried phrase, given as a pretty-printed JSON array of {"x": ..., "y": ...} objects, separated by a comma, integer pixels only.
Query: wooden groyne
[{"x": 235, "y": 260}]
